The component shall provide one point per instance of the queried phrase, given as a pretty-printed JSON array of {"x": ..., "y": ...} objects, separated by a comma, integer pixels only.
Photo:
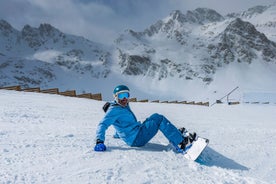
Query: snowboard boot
[
  {"x": 184, "y": 143},
  {"x": 192, "y": 136},
  {"x": 188, "y": 138}
]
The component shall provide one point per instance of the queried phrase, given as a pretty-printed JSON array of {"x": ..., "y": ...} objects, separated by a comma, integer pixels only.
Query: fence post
[
  {"x": 16, "y": 88},
  {"x": 71, "y": 93},
  {"x": 50, "y": 91},
  {"x": 97, "y": 96}
]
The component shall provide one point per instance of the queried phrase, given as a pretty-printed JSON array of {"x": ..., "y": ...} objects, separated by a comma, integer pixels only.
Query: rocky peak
[
  {"x": 31, "y": 36},
  {"x": 240, "y": 41},
  {"x": 153, "y": 29},
  {"x": 47, "y": 30},
  {"x": 5, "y": 28},
  {"x": 177, "y": 15},
  {"x": 249, "y": 13},
  {"x": 44, "y": 30},
  {"x": 176, "y": 20},
  {"x": 240, "y": 27},
  {"x": 247, "y": 31},
  {"x": 4, "y": 25},
  {"x": 203, "y": 15},
  {"x": 36, "y": 37},
  {"x": 253, "y": 11},
  {"x": 27, "y": 29},
  {"x": 199, "y": 16}
]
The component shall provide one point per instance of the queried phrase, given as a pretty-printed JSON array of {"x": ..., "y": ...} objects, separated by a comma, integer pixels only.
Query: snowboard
[{"x": 193, "y": 151}]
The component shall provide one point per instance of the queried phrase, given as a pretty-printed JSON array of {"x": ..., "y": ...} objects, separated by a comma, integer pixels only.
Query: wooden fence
[
  {"x": 97, "y": 96},
  {"x": 71, "y": 93},
  {"x": 174, "y": 102}
]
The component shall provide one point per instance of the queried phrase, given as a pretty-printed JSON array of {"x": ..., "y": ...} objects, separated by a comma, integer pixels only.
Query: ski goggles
[{"x": 123, "y": 95}]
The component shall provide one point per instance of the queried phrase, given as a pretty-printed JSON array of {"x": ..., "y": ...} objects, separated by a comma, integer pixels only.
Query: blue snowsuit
[{"x": 133, "y": 132}]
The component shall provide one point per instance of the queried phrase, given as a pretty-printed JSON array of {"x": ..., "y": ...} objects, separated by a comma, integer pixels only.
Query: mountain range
[{"x": 189, "y": 55}]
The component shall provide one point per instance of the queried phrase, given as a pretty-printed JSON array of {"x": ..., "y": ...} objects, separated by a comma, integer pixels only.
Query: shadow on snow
[
  {"x": 209, "y": 157},
  {"x": 148, "y": 147}
]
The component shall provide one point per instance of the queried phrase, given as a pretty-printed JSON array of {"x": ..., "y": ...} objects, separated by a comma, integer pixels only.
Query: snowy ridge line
[{"x": 97, "y": 96}]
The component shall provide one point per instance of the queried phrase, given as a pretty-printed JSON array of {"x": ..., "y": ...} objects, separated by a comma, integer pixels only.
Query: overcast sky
[{"x": 103, "y": 20}]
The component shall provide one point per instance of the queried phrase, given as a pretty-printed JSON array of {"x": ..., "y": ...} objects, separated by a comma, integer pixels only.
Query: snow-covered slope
[{"x": 49, "y": 139}]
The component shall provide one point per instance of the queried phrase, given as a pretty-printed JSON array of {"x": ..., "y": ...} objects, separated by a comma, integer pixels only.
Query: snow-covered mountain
[
  {"x": 191, "y": 55},
  {"x": 38, "y": 56},
  {"x": 193, "y": 45},
  {"x": 192, "y": 48}
]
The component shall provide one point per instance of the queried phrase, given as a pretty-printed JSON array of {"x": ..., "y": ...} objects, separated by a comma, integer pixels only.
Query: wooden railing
[
  {"x": 97, "y": 96},
  {"x": 71, "y": 93},
  {"x": 175, "y": 102}
]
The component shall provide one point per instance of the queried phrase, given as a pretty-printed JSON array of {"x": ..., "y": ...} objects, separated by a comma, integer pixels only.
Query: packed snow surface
[{"x": 50, "y": 138}]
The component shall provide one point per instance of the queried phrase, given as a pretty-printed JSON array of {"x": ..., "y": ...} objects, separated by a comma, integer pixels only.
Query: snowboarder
[{"x": 133, "y": 132}]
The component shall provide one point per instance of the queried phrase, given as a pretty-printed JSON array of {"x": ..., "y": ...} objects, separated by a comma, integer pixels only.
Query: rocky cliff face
[
  {"x": 194, "y": 45},
  {"x": 241, "y": 42}
]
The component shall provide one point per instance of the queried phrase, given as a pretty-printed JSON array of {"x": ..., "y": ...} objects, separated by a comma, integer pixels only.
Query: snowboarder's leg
[{"x": 150, "y": 127}]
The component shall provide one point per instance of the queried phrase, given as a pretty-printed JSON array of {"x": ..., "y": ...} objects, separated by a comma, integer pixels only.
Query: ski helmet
[{"x": 120, "y": 89}]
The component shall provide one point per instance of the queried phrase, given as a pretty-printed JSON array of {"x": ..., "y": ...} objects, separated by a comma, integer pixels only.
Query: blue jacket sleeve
[
  {"x": 123, "y": 120},
  {"x": 109, "y": 119}
]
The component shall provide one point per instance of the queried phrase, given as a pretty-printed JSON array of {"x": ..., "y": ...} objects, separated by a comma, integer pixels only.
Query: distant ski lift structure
[{"x": 227, "y": 97}]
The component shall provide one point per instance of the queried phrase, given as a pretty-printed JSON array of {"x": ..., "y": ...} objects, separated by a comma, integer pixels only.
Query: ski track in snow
[{"x": 50, "y": 138}]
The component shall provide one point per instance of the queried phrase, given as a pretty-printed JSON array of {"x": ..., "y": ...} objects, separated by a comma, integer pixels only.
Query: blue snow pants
[{"x": 150, "y": 127}]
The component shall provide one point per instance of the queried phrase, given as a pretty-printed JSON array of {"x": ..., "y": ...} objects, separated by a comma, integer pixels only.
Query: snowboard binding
[{"x": 189, "y": 138}]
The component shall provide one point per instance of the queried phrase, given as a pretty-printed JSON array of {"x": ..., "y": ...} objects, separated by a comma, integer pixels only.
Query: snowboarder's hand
[{"x": 100, "y": 146}]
